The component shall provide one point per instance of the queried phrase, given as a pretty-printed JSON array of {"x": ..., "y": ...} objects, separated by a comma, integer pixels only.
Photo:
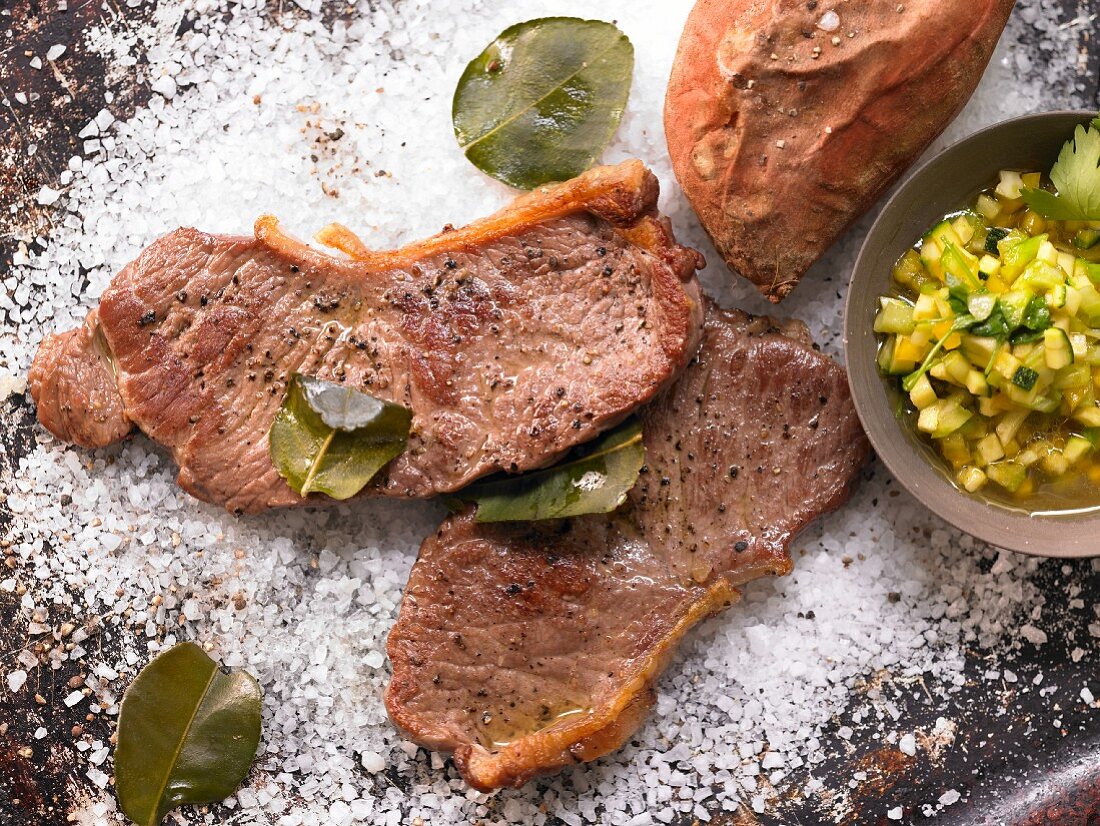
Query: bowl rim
[{"x": 1065, "y": 536}]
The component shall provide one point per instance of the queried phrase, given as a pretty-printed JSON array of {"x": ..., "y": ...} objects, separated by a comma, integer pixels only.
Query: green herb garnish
[
  {"x": 1037, "y": 314},
  {"x": 1076, "y": 176},
  {"x": 960, "y": 323}
]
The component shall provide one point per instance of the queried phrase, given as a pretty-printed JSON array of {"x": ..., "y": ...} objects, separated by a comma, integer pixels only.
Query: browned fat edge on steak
[
  {"x": 525, "y": 648},
  {"x": 511, "y": 340}
]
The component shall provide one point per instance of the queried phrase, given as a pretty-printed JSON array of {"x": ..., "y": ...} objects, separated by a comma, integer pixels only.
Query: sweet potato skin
[{"x": 782, "y": 134}]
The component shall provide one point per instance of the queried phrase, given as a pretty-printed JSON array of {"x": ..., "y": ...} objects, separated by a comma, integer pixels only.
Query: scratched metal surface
[{"x": 1010, "y": 758}]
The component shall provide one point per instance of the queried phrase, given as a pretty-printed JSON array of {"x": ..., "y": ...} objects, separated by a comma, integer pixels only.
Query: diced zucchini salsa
[{"x": 993, "y": 336}]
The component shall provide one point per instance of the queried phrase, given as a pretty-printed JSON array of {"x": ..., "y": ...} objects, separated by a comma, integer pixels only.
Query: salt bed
[{"x": 259, "y": 110}]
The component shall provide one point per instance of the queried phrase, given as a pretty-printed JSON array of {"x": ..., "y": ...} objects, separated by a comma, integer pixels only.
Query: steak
[
  {"x": 510, "y": 340},
  {"x": 524, "y": 648}
]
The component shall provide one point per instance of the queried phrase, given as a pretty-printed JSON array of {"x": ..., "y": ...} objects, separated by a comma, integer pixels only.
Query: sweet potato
[{"x": 786, "y": 119}]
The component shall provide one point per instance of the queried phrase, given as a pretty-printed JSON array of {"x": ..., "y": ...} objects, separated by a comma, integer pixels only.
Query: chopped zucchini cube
[
  {"x": 971, "y": 479},
  {"x": 988, "y": 407},
  {"x": 1024, "y": 377},
  {"x": 894, "y": 316},
  {"x": 957, "y": 367},
  {"x": 1086, "y": 239},
  {"x": 1054, "y": 463},
  {"x": 981, "y": 304},
  {"x": 1006, "y": 364},
  {"x": 1009, "y": 475},
  {"x": 990, "y": 450},
  {"x": 1058, "y": 349},
  {"x": 1010, "y": 185},
  {"x": 929, "y": 419},
  {"x": 1008, "y": 425},
  {"x": 1047, "y": 253},
  {"x": 922, "y": 395},
  {"x": 979, "y": 349},
  {"x": 955, "y": 450},
  {"x": 950, "y": 418},
  {"x": 988, "y": 265},
  {"x": 976, "y": 383},
  {"x": 926, "y": 308},
  {"x": 989, "y": 209},
  {"x": 1088, "y": 415},
  {"x": 1076, "y": 447}
]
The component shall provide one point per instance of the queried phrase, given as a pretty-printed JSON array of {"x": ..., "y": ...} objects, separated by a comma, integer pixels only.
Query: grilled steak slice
[
  {"x": 511, "y": 340},
  {"x": 524, "y": 648}
]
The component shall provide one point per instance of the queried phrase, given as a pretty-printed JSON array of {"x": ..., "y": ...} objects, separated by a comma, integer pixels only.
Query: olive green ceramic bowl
[{"x": 946, "y": 183}]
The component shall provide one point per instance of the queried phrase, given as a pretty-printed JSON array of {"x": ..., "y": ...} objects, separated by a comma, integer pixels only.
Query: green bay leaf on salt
[{"x": 543, "y": 99}]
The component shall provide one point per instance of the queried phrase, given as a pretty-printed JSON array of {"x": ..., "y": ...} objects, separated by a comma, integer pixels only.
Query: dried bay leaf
[
  {"x": 331, "y": 439},
  {"x": 596, "y": 479},
  {"x": 187, "y": 733},
  {"x": 543, "y": 100}
]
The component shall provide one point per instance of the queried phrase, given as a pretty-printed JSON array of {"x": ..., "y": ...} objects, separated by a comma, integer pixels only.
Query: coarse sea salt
[
  {"x": 16, "y": 680},
  {"x": 246, "y": 102}
]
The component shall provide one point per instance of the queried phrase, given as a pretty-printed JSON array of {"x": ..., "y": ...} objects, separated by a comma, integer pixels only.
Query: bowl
[{"x": 943, "y": 184}]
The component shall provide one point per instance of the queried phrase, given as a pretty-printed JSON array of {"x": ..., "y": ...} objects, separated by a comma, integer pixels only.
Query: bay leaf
[
  {"x": 327, "y": 438},
  {"x": 187, "y": 733},
  {"x": 595, "y": 479},
  {"x": 543, "y": 100}
]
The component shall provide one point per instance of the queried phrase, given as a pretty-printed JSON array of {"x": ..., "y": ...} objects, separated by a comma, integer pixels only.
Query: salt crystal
[
  {"x": 16, "y": 680},
  {"x": 73, "y": 698},
  {"x": 39, "y": 733},
  {"x": 1086, "y": 696},
  {"x": 949, "y": 797},
  {"x": 104, "y": 119},
  {"x": 1032, "y": 634},
  {"x": 372, "y": 762},
  {"x": 908, "y": 744},
  {"x": 373, "y": 659},
  {"x": 896, "y": 813},
  {"x": 772, "y": 760},
  {"x": 55, "y": 52},
  {"x": 48, "y": 195},
  {"x": 247, "y": 798},
  {"x": 829, "y": 22},
  {"x": 164, "y": 85}
]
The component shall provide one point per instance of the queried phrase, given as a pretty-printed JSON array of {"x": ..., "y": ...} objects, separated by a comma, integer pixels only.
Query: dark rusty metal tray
[{"x": 1010, "y": 760}]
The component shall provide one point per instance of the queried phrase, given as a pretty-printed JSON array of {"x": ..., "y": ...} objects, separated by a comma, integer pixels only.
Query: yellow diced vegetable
[
  {"x": 1010, "y": 184},
  {"x": 922, "y": 395},
  {"x": 929, "y": 419},
  {"x": 972, "y": 479}
]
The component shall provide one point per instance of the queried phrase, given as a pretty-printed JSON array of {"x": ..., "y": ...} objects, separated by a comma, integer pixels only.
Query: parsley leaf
[
  {"x": 994, "y": 326},
  {"x": 1076, "y": 175}
]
